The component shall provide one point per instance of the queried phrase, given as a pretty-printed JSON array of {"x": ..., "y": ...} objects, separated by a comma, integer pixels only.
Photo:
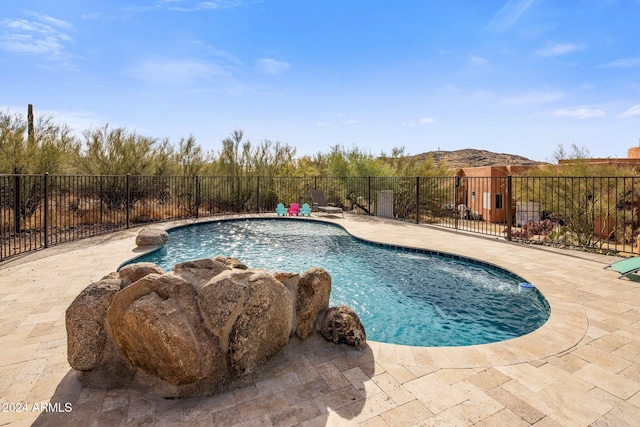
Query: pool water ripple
[{"x": 402, "y": 297}]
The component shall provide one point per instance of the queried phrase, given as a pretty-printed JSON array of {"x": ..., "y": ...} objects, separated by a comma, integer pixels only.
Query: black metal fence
[{"x": 592, "y": 213}]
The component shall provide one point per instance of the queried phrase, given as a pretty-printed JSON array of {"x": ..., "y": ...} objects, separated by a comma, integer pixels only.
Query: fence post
[
  {"x": 417, "y": 200},
  {"x": 236, "y": 201},
  {"x": 509, "y": 207},
  {"x": 369, "y": 195},
  {"x": 197, "y": 197},
  {"x": 100, "y": 196},
  {"x": 456, "y": 215},
  {"x": 46, "y": 209},
  {"x": 16, "y": 200},
  {"x": 128, "y": 202},
  {"x": 258, "y": 194}
]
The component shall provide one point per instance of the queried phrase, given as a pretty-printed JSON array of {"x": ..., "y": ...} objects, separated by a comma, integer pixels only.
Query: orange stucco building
[
  {"x": 633, "y": 159},
  {"x": 483, "y": 193}
]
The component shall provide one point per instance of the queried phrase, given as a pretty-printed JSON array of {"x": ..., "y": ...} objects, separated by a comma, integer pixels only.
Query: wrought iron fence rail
[{"x": 592, "y": 213}]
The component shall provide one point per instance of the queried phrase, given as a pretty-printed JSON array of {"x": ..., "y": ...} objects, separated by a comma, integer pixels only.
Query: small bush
[{"x": 537, "y": 228}]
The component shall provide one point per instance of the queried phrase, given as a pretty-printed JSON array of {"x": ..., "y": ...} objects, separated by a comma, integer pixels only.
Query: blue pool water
[{"x": 402, "y": 296}]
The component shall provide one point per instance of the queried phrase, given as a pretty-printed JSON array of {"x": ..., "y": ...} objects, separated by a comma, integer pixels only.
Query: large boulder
[
  {"x": 157, "y": 326},
  {"x": 341, "y": 325},
  {"x": 201, "y": 271},
  {"x": 314, "y": 291},
  {"x": 85, "y": 323},
  {"x": 250, "y": 312},
  {"x": 194, "y": 331},
  {"x": 152, "y": 237},
  {"x": 231, "y": 262},
  {"x": 291, "y": 281},
  {"x": 134, "y": 272}
]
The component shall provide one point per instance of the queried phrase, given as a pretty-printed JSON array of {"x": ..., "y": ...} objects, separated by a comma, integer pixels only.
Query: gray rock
[
  {"x": 152, "y": 237},
  {"x": 85, "y": 323},
  {"x": 200, "y": 272},
  {"x": 112, "y": 275},
  {"x": 134, "y": 272},
  {"x": 157, "y": 326},
  {"x": 250, "y": 312},
  {"x": 291, "y": 281},
  {"x": 341, "y": 325},
  {"x": 231, "y": 262},
  {"x": 314, "y": 291}
]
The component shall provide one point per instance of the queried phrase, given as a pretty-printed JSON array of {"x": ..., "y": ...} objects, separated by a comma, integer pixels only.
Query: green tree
[
  {"x": 437, "y": 185},
  {"x": 245, "y": 165},
  {"x": 48, "y": 148},
  {"x": 233, "y": 158},
  {"x": 116, "y": 151},
  {"x": 575, "y": 153},
  {"x": 13, "y": 149},
  {"x": 56, "y": 148},
  {"x": 271, "y": 159},
  {"x": 189, "y": 160},
  {"x": 189, "y": 157},
  {"x": 306, "y": 166},
  {"x": 233, "y": 165},
  {"x": 353, "y": 162},
  {"x": 113, "y": 153},
  {"x": 238, "y": 157},
  {"x": 164, "y": 159},
  {"x": 272, "y": 163},
  {"x": 51, "y": 149}
]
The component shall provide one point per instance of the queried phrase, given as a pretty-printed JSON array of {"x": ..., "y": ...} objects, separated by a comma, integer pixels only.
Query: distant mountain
[{"x": 470, "y": 157}]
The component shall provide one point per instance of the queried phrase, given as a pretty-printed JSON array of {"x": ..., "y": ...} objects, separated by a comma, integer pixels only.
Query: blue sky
[{"x": 511, "y": 76}]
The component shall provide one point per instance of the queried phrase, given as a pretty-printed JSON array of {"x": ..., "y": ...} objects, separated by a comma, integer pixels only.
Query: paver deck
[{"x": 581, "y": 368}]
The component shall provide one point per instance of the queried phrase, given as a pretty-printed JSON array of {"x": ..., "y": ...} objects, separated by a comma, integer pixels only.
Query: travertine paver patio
[{"x": 581, "y": 368}]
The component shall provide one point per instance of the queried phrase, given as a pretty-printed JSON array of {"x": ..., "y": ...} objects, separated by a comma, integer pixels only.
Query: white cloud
[
  {"x": 579, "y": 113},
  {"x": 509, "y": 14},
  {"x": 175, "y": 71},
  {"x": 209, "y": 5},
  {"x": 531, "y": 98},
  {"x": 100, "y": 16},
  {"x": 192, "y": 6},
  {"x": 54, "y": 21},
  {"x": 337, "y": 124},
  {"x": 36, "y": 37},
  {"x": 624, "y": 63},
  {"x": 228, "y": 60},
  {"x": 556, "y": 49},
  {"x": 272, "y": 66},
  {"x": 478, "y": 60},
  {"x": 633, "y": 111},
  {"x": 422, "y": 121}
]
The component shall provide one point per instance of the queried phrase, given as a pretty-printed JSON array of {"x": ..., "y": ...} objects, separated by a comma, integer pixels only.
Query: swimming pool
[{"x": 402, "y": 296}]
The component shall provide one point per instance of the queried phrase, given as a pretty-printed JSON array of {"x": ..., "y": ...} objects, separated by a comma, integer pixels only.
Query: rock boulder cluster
[{"x": 196, "y": 329}]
